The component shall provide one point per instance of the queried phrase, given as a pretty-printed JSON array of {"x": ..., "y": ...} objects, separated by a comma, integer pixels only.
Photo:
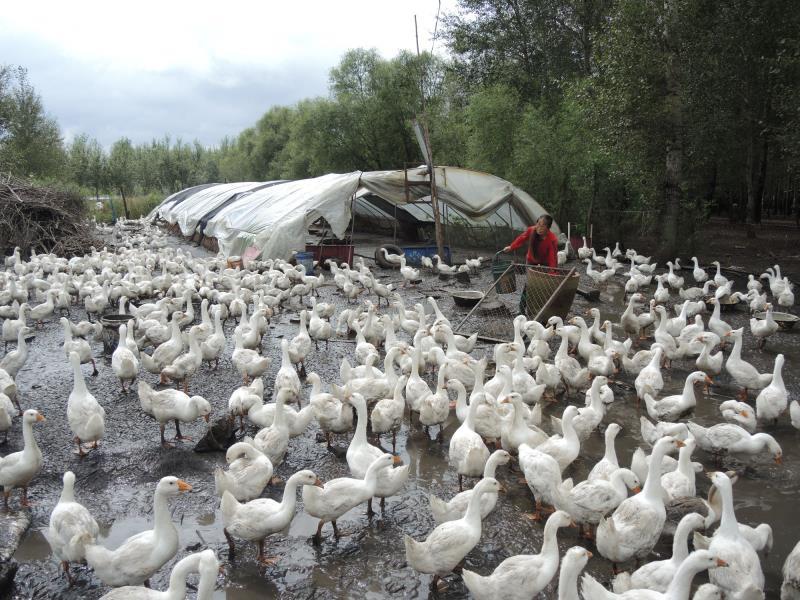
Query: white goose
[
  {"x": 726, "y": 437},
  {"x": 85, "y": 415},
  {"x": 248, "y": 473},
  {"x": 609, "y": 463},
  {"x": 273, "y": 441},
  {"x": 467, "y": 452},
  {"x": 167, "y": 405},
  {"x": 333, "y": 415},
  {"x": 658, "y": 574},
  {"x": 205, "y": 563},
  {"x": 763, "y": 328},
  {"x": 572, "y": 564},
  {"x": 710, "y": 364},
  {"x": 249, "y": 363},
  {"x": 745, "y": 374},
  {"x": 19, "y": 468},
  {"x": 79, "y": 346},
  {"x": 670, "y": 408},
  {"x": 679, "y": 588},
  {"x": 254, "y": 521},
  {"x": 773, "y": 400},
  {"x": 450, "y": 542},
  {"x": 700, "y": 276},
  {"x": 456, "y": 507},
  {"x": 589, "y": 417},
  {"x": 361, "y": 454},
  {"x": 523, "y": 576},
  {"x": 636, "y": 524},
  {"x": 590, "y": 501},
  {"x": 680, "y": 483},
  {"x": 337, "y": 496},
  {"x": 649, "y": 380},
  {"x": 140, "y": 556},
  {"x": 124, "y": 362},
  {"x": 744, "y": 568},
  {"x": 567, "y": 448},
  {"x": 71, "y": 527}
]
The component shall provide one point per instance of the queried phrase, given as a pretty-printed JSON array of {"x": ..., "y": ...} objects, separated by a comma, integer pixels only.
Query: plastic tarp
[
  {"x": 275, "y": 218},
  {"x": 188, "y": 212}
]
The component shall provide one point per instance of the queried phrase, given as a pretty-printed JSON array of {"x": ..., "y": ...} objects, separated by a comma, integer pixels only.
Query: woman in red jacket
[{"x": 542, "y": 243}]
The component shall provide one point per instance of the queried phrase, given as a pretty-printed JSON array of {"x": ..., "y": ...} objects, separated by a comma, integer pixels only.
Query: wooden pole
[{"x": 437, "y": 223}]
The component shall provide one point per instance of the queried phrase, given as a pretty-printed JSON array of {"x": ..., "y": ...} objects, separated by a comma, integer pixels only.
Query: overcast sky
[{"x": 195, "y": 70}]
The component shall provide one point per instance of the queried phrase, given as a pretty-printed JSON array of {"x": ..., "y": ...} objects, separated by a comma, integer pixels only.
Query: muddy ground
[{"x": 116, "y": 482}]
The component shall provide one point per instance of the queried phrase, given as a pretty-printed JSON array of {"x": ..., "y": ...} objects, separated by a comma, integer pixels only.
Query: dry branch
[{"x": 43, "y": 220}]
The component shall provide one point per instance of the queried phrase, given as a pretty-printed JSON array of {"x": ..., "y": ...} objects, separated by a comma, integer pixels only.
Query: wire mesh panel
[{"x": 537, "y": 292}]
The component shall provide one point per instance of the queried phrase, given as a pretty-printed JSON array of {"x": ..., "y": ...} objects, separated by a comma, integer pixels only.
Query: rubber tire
[{"x": 381, "y": 261}]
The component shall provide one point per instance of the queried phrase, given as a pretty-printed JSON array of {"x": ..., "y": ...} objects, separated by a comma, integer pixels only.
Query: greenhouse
[{"x": 279, "y": 217}]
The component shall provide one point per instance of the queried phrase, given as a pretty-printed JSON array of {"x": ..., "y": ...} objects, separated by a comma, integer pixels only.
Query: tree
[
  {"x": 30, "y": 140},
  {"x": 121, "y": 172}
]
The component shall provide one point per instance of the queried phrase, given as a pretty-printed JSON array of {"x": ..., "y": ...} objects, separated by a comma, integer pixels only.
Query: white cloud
[{"x": 193, "y": 69}]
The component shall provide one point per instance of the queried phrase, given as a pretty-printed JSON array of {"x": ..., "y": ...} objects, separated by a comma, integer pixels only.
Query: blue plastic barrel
[{"x": 306, "y": 259}]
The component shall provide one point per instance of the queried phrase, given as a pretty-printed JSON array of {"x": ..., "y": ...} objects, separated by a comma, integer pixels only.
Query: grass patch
[{"x": 138, "y": 206}]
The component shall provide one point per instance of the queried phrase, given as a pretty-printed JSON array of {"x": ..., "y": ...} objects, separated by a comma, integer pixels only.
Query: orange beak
[
  {"x": 745, "y": 414},
  {"x": 636, "y": 490},
  {"x": 206, "y": 417},
  {"x": 40, "y": 417},
  {"x": 779, "y": 459},
  {"x": 319, "y": 483},
  {"x": 708, "y": 380},
  {"x": 183, "y": 486},
  {"x": 589, "y": 554},
  {"x": 396, "y": 460},
  {"x": 721, "y": 563},
  {"x": 679, "y": 444}
]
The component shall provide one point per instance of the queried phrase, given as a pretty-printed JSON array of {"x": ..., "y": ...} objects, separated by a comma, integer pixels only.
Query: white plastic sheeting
[
  {"x": 188, "y": 213},
  {"x": 275, "y": 219}
]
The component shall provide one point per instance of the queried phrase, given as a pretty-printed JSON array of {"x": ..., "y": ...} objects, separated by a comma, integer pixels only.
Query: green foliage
[{"x": 30, "y": 141}]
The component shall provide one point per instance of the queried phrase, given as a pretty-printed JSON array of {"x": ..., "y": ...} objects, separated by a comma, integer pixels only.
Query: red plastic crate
[{"x": 339, "y": 253}]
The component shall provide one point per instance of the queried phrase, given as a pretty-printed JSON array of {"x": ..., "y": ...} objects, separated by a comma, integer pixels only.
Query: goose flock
[{"x": 176, "y": 306}]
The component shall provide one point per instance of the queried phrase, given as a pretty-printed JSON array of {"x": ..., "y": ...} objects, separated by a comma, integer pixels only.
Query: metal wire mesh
[{"x": 537, "y": 292}]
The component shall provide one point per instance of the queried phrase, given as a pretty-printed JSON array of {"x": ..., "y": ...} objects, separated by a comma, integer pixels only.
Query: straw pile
[{"x": 43, "y": 219}]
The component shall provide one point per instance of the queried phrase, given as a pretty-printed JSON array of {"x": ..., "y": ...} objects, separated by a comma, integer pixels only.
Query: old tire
[{"x": 390, "y": 249}]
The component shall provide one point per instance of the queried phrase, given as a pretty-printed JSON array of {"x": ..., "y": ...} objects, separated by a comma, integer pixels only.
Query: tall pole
[{"x": 437, "y": 222}]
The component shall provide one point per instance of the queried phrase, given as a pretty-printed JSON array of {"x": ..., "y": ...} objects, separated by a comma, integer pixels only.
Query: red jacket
[{"x": 541, "y": 251}]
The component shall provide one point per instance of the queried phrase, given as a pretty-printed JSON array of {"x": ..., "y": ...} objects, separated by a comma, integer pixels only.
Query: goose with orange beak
[
  {"x": 141, "y": 555},
  {"x": 19, "y": 468}
]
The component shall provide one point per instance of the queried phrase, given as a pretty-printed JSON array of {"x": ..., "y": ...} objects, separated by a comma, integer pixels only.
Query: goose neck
[
  {"x": 610, "y": 454},
  {"x": 652, "y": 487},
  {"x": 681, "y": 583},
  {"x": 180, "y": 572},
  {"x": 568, "y": 580},
  {"x": 360, "y": 436},
  {"x": 163, "y": 520},
  {"x": 550, "y": 542},
  {"x": 680, "y": 542}
]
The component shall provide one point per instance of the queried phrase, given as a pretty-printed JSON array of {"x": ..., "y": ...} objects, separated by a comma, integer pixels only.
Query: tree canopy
[{"x": 639, "y": 116}]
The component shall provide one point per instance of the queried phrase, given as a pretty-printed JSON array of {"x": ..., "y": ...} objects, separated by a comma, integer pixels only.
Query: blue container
[
  {"x": 306, "y": 259},
  {"x": 414, "y": 253}
]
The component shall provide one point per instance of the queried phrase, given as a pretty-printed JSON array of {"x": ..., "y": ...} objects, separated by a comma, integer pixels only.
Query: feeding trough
[
  {"x": 726, "y": 303},
  {"x": 467, "y": 299},
  {"x": 110, "y": 333},
  {"x": 784, "y": 320}
]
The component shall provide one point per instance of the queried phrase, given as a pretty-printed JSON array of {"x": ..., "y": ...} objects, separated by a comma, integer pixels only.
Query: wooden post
[{"x": 429, "y": 157}]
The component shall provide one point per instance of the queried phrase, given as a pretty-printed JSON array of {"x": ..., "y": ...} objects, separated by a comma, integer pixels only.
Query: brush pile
[{"x": 43, "y": 220}]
